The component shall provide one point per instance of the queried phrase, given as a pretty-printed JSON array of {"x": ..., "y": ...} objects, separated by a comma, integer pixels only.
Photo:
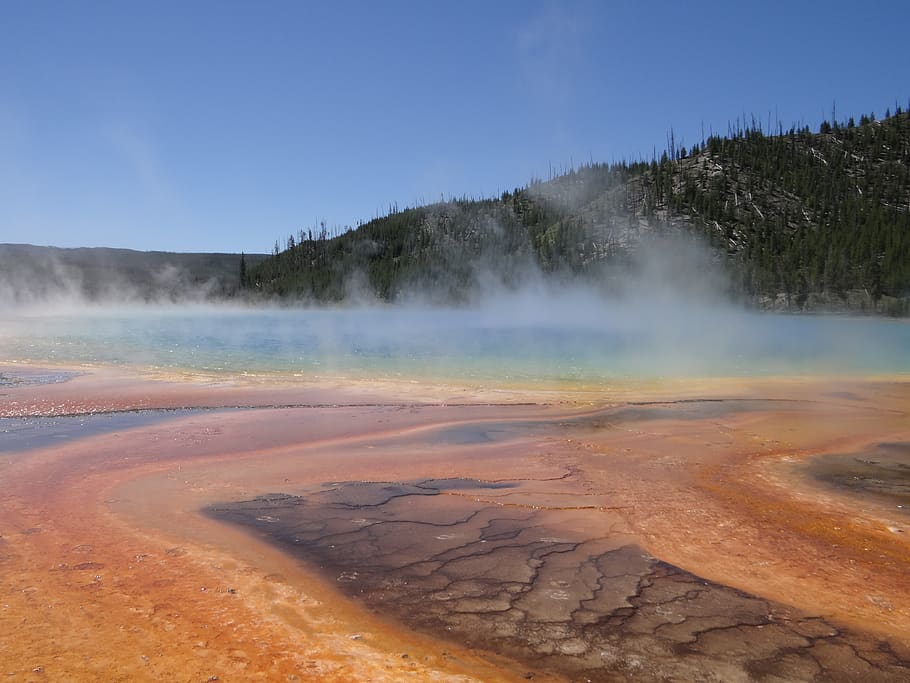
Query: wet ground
[
  {"x": 27, "y": 433},
  {"x": 27, "y": 376},
  {"x": 672, "y": 534},
  {"x": 882, "y": 473},
  {"x": 466, "y": 560},
  {"x": 682, "y": 409}
]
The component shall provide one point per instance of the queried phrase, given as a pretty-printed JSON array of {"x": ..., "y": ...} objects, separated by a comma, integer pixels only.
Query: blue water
[
  {"x": 506, "y": 344},
  {"x": 24, "y": 433}
]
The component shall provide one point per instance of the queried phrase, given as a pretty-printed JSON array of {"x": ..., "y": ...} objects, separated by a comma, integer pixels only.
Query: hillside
[
  {"x": 799, "y": 220},
  {"x": 813, "y": 219},
  {"x": 32, "y": 274}
]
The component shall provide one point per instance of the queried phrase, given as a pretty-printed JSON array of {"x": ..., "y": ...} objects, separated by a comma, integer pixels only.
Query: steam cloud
[
  {"x": 37, "y": 280},
  {"x": 664, "y": 310}
]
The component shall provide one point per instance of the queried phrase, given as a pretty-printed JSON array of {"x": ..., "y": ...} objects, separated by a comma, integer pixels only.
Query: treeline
[
  {"x": 34, "y": 275},
  {"x": 447, "y": 250},
  {"x": 800, "y": 220}
]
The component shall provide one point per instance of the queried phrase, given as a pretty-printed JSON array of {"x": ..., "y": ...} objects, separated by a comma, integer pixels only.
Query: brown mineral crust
[
  {"x": 108, "y": 571},
  {"x": 718, "y": 498},
  {"x": 88, "y": 596},
  {"x": 550, "y": 586}
]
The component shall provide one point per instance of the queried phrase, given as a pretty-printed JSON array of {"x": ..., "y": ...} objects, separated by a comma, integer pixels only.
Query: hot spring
[{"x": 515, "y": 342}]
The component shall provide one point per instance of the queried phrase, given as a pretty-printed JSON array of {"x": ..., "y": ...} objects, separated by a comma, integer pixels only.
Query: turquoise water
[{"x": 510, "y": 343}]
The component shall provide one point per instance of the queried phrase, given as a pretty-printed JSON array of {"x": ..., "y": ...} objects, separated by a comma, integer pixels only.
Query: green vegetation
[
  {"x": 814, "y": 219},
  {"x": 801, "y": 221}
]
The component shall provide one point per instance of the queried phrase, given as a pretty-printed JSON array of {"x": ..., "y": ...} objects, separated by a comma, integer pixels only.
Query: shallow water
[
  {"x": 30, "y": 376},
  {"x": 26, "y": 433},
  {"x": 588, "y": 345}
]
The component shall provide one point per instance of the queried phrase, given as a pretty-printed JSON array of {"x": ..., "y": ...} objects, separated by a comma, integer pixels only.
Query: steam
[
  {"x": 37, "y": 280},
  {"x": 670, "y": 317},
  {"x": 661, "y": 310}
]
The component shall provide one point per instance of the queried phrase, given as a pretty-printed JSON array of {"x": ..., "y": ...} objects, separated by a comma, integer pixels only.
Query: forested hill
[
  {"x": 35, "y": 275},
  {"x": 800, "y": 220}
]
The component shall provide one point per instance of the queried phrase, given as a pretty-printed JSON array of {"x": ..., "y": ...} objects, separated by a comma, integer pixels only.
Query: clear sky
[{"x": 221, "y": 126}]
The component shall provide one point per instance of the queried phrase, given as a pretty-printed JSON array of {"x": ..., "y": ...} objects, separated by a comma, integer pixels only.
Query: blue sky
[{"x": 221, "y": 126}]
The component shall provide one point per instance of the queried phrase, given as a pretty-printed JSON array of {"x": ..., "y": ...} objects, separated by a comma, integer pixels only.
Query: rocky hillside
[{"x": 799, "y": 220}]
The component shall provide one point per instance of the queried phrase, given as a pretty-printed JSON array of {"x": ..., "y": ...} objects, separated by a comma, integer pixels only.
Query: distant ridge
[
  {"x": 34, "y": 274},
  {"x": 800, "y": 220}
]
